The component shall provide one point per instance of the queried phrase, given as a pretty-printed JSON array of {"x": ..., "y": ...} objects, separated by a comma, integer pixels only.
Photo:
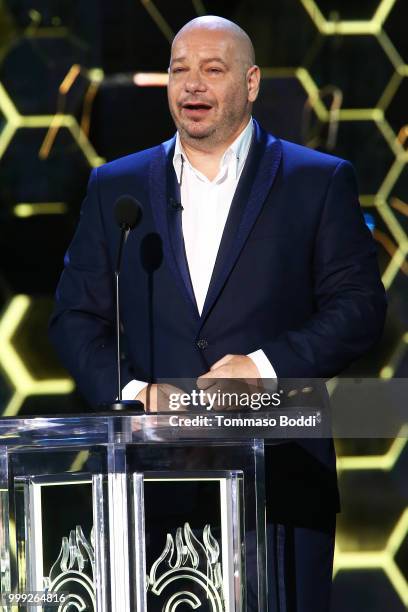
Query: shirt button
[{"x": 202, "y": 343}]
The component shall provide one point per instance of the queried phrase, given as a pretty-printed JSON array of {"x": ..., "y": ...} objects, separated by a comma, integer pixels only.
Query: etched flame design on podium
[
  {"x": 73, "y": 573},
  {"x": 187, "y": 561}
]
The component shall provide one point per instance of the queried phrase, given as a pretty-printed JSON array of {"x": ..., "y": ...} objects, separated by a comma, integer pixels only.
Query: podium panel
[{"x": 118, "y": 514}]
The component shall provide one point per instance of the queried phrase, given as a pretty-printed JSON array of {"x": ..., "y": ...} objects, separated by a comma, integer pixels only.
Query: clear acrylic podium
[{"x": 131, "y": 513}]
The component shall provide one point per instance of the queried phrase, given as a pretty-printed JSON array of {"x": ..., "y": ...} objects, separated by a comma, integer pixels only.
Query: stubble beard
[{"x": 214, "y": 135}]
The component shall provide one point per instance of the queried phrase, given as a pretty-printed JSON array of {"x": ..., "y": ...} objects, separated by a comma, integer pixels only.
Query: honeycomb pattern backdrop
[{"x": 83, "y": 82}]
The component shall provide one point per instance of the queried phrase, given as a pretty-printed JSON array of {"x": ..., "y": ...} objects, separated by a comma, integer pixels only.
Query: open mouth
[
  {"x": 197, "y": 106},
  {"x": 196, "y": 109}
]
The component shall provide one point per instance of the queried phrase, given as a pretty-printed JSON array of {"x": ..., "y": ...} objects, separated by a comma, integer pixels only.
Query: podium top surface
[{"x": 93, "y": 429}]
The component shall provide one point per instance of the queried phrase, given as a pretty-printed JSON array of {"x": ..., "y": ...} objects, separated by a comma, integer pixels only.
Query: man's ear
[{"x": 253, "y": 82}]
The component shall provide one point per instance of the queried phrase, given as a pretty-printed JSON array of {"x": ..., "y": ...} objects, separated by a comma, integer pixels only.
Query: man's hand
[
  {"x": 156, "y": 398},
  {"x": 231, "y": 374},
  {"x": 231, "y": 366}
]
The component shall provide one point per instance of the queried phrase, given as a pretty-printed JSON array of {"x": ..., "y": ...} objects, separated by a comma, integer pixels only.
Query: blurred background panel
[{"x": 84, "y": 82}]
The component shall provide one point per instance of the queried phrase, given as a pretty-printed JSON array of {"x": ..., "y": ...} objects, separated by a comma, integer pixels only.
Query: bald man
[{"x": 252, "y": 262}]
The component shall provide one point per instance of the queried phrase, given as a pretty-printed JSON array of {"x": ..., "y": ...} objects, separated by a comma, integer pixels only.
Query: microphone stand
[
  {"x": 121, "y": 405},
  {"x": 123, "y": 237}
]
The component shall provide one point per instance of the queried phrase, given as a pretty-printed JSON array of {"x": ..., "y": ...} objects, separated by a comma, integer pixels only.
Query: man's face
[{"x": 209, "y": 88}]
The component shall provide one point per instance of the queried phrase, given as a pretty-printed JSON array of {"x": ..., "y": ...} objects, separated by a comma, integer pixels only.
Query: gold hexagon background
[{"x": 13, "y": 364}]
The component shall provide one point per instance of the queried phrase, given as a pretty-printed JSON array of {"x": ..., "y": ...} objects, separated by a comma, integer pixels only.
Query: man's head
[{"x": 213, "y": 81}]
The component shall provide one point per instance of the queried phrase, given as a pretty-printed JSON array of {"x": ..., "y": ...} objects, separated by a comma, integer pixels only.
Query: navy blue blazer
[{"x": 296, "y": 274}]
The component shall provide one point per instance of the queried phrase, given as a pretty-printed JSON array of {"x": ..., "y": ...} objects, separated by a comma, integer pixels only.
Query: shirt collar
[{"x": 237, "y": 151}]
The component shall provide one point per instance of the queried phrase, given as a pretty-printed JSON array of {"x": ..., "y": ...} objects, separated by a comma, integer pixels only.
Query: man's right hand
[{"x": 156, "y": 398}]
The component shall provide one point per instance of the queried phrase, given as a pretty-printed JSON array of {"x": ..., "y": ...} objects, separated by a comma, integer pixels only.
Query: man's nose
[{"x": 194, "y": 82}]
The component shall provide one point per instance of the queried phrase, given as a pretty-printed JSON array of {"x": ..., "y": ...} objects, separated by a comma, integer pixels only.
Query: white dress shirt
[{"x": 206, "y": 205}]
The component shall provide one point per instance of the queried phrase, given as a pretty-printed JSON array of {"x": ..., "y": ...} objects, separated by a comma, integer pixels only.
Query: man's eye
[
  {"x": 177, "y": 70},
  {"x": 214, "y": 70}
]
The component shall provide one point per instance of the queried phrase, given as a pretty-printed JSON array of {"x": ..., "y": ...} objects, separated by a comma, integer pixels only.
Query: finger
[
  {"x": 171, "y": 398},
  {"x": 206, "y": 380},
  {"x": 167, "y": 389},
  {"x": 222, "y": 361},
  {"x": 165, "y": 398},
  {"x": 150, "y": 403}
]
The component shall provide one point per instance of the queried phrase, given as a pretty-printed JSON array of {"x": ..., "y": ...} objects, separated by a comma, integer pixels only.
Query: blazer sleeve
[
  {"x": 82, "y": 326},
  {"x": 350, "y": 302}
]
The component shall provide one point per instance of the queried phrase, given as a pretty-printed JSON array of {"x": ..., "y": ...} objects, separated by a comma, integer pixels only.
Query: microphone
[
  {"x": 175, "y": 206},
  {"x": 128, "y": 214}
]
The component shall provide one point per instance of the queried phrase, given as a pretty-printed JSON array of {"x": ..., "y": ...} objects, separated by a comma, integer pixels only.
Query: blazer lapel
[
  {"x": 165, "y": 203},
  {"x": 253, "y": 187}
]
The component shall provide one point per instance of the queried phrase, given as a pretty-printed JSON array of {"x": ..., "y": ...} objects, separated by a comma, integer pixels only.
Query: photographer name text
[{"x": 221, "y": 420}]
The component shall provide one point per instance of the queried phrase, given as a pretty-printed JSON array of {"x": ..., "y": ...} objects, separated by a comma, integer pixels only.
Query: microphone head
[{"x": 128, "y": 212}]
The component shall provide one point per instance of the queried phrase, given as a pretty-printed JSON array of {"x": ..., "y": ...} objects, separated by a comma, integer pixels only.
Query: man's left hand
[
  {"x": 231, "y": 374},
  {"x": 230, "y": 366}
]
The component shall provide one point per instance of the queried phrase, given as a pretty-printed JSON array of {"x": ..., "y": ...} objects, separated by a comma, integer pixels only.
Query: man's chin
[{"x": 197, "y": 131}]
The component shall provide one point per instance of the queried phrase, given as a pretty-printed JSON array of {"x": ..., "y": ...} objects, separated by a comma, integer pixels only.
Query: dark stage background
[{"x": 82, "y": 81}]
